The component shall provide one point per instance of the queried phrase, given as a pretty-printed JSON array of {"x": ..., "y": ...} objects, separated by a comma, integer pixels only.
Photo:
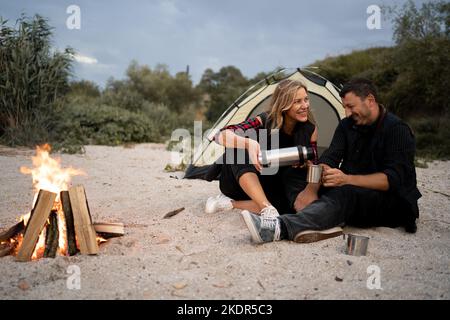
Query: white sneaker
[
  {"x": 218, "y": 203},
  {"x": 269, "y": 212}
]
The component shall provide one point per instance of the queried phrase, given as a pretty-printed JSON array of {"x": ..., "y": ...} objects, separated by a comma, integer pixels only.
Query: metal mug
[
  {"x": 314, "y": 174},
  {"x": 356, "y": 245}
]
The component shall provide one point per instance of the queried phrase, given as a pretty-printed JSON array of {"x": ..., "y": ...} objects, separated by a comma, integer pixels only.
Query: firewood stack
[{"x": 81, "y": 235}]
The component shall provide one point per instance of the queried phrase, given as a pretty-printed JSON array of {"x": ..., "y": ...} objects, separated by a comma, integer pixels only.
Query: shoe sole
[
  {"x": 314, "y": 236},
  {"x": 251, "y": 227}
]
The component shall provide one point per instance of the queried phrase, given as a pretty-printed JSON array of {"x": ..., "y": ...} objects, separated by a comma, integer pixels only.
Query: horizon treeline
[{"x": 39, "y": 101}]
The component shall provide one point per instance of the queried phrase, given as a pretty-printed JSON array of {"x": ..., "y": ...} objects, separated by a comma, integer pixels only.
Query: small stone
[
  {"x": 338, "y": 279},
  {"x": 162, "y": 239},
  {"x": 23, "y": 285},
  {"x": 176, "y": 293},
  {"x": 180, "y": 285},
  {"x": 349, "y": 262},
  {"x": 222, "y": 284}
]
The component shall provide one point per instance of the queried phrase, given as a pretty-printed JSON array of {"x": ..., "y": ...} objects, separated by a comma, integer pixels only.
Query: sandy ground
[{"x": 194, "y": 255}]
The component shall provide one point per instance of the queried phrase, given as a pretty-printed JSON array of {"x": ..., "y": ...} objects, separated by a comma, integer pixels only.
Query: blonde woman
[{"x": 242, "y": 185}]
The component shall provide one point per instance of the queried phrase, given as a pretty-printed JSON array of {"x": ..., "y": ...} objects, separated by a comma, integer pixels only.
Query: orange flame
[
  {"x": 47, "y": 172},
  {"x": 100, "y": 240},
  {"x": 48, "y": 175}
]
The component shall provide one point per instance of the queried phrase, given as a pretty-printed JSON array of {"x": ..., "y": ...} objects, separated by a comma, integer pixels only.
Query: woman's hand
[
  {"x": 298, "y": 165},
  {"x": 253, "y": 149},
  {"x": 306, "y": 164}
]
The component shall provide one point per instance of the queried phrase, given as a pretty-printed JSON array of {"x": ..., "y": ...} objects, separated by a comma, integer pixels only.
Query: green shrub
[
  {"x": 120, "y": 94},
  {"x": 102, "y": 124},
  {"x": 432, "y": 137}
]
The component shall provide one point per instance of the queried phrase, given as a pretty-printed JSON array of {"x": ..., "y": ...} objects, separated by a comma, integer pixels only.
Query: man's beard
[{"x": 361, "y": 119}]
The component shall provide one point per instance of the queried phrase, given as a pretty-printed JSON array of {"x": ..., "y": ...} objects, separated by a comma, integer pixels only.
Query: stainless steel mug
[
  {"x": 314, "y": 174},
  {"x": 356, "y": 245}
]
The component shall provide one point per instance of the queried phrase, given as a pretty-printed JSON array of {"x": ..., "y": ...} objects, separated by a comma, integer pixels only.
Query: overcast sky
[{"x": 253, "y": 35}]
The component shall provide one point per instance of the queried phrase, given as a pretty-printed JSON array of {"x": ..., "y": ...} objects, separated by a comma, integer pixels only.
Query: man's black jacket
[{"x": 386, "y": 146}]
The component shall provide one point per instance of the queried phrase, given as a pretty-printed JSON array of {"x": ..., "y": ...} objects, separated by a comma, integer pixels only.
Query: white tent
[{"x": 325, "y": 104}]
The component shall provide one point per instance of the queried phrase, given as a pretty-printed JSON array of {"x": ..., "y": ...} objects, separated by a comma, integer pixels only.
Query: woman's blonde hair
[{"x": 282, "y": 100}]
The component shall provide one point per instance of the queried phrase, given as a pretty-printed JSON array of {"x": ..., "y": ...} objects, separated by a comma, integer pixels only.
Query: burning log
[
  {"x": 70, "y": 228},
  {"x": 8, "y": 237},
  {"x": 52, "y": 236},
  {"x": 12, "y": 232},
  {"x": 84, "y": 230},
  {"x": 38, "y": 218},
  {"x": 55, "y": 226},
  {"x": 6, "y": 249},
  {"x": 46, "y": 224}
]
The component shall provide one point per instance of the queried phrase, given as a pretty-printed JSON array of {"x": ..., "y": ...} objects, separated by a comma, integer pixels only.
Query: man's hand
[
  {"x": 305, "y": 198},
  {"x": 334, "y": 178},
  {"x": 374, "y": 181}
]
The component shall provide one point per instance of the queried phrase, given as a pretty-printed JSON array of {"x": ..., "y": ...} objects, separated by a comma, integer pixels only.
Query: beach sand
[{"x": 194, "y": 255}]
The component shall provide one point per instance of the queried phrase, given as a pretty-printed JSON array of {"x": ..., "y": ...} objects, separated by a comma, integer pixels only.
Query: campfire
[{"x": 60, "y": 221}]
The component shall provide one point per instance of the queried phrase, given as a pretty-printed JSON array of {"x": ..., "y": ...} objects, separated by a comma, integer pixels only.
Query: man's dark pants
[{"x": 347, "y": 205}]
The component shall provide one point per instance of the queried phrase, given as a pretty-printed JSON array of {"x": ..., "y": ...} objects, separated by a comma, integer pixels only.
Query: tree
[
  {"x": 360, "y": 63},
  {"x": 411, "y": 23},
  {"x": 223, "y": 88},
  {"x": 421, "y": 59},
  {"x": 33, "y": 81},
  {"x": 160, "y": 87}
]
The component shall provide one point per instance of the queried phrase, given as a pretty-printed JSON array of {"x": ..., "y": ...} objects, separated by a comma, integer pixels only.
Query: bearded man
[{"x": 369, "y": 177}]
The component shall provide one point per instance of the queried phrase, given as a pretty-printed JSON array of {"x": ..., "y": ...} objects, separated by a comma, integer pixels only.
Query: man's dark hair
[{"x": 360, "y": 87}]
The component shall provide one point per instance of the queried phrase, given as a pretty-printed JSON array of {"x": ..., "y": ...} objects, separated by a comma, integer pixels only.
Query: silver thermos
[{"x": 286, "y": 156}]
